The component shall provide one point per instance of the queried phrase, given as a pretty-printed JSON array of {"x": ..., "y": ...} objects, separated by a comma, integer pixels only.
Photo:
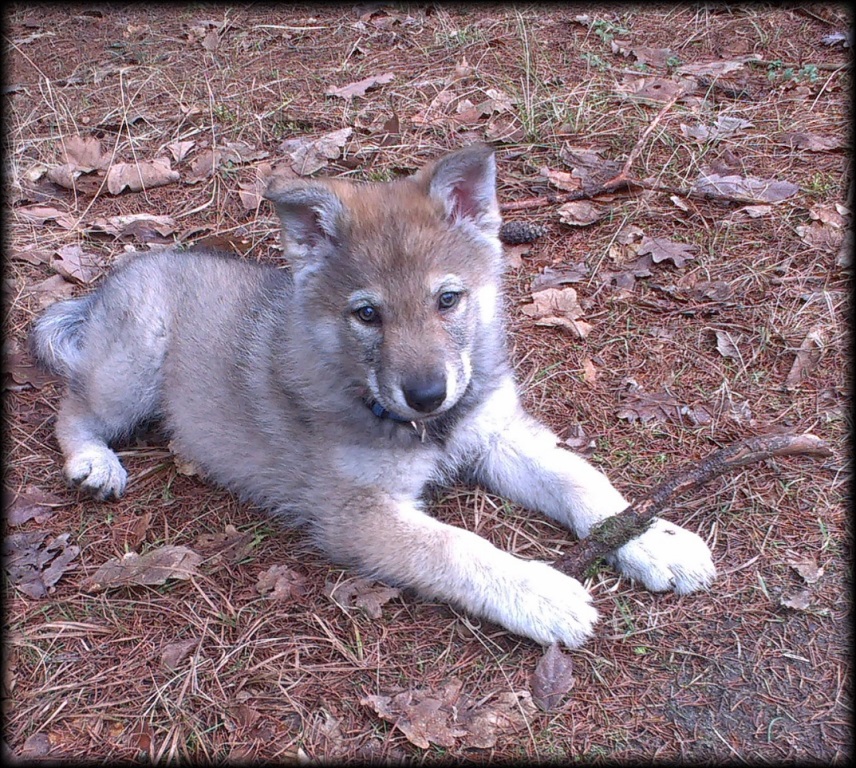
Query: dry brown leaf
[
  {"x": 835, "y": 215},
  {"x": 821, "y": 237},
  {"x": 589, "y": 167},
  {"x": 562, "y": 179},
  {"x": 202, "y": 167},
  {"x": 723, "y": 127},
  {"x": 143, "y": 227},
  {"x": 311, "y": 155},
  {"x": 661, "y": 249},
  {"x": 556, "y": 277},
  {"x": 252, "y": 193},
  {"x": 19, "y": 371},
  {"x": 639, "y": 405},
  {"x": 129, "y": 529},
  {"x": 577, "y": 440},
  {"x": 654, "y": 90},
  {"x": 85, "y": 154},
  {"x": 77, "y": 265},
  {"x": 507, "y": 714},
  {"x": 829, "y": 230},
  {"x": 717, "y": 67},
  {"x": 498, "y": 101},
  {"x": 422, "y": 719},
  {"x": 806, "y": 567},
  {"x": 36, "y": 746},
  {"x": 365, "y": 594},
  {"x": 183, "y": 466},
  {"x": 653, "y": 57},
  {"x": 32, "y": 504},
  {"x": 140, "y": 176},
  {"x": 231, "y": 153},
  {"x": 558, "y": 307},
  {"x": 211, "y": 40},
  {"x": 504, "y": 128},
  {"x": 156, "y": 566},
  {"x": 279, "y": 582},
  {"x": 50, "y": 290},
  {"x": 463, "y": 69},
  {"x": 180, "y": 149},
  {"x": 329, "y": 728},
  {"x": 752, "y": 211},
  {"x": 725, "y": 345},
  {"x": 34, "y": 569},
  {"x": 39, "y": 214},
  {"x": 230, "y": 545},
  {"x": 552, "y": 679},
  {"x": 514, "y": 253},
  {"x": 140, "y": 737},
  {"x": 443, "y": 717},
  {"x": 80, "y": 156},
  {"x": 32, "y": 255},
  {"x": 798, "y": 601},
  {"x": 580, "y": 213},
  {"x": 589, "y": 371},
  {"x": 716, "y": 290},
  {"x": 359, "y": 88},
  {"x": 806, "y": 360},
  {"x": 65, "y": 175},
  {"x": 174, "y": 653},
  {"x": 744, "y": 188},
  {"x": 243, "y": 716},
  {"x": 812, "y": 142}
]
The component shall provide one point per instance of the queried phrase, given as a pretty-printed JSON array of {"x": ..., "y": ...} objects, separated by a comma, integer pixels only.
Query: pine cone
[{"x": 518, "y": 232}]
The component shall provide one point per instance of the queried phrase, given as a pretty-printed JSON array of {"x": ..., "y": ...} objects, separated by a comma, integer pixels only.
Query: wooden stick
[
  {"x": 614, "y": 532},
  {"x": 621, "y": 179}
]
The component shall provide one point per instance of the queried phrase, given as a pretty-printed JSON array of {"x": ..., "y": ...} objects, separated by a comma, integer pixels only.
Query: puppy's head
[{"x": 399, "y": 279}]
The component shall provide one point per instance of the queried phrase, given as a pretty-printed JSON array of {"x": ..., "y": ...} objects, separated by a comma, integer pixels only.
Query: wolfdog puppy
[{"x": 334, "y": 392}]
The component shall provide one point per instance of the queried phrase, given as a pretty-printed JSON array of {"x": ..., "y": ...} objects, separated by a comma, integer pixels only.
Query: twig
[
  {"x": 622, "y": 179},
  {"x": 617, "y": 530},
  {"x": 640, "y": 144}
]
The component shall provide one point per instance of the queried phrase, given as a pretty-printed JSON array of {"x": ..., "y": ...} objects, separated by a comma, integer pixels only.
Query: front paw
[
  {"x": 666, "y": 557},
  {"x": 98, "y": 472},
  {"x": 545, "y": 605}
]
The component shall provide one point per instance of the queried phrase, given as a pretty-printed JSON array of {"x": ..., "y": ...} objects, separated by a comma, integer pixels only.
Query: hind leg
[
  {"x": 83, "y": 436},
  {"x": 117, "y": 396}
]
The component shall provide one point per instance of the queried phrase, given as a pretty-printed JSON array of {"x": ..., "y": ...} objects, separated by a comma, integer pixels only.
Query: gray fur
[{"x": 265, "y": 378}]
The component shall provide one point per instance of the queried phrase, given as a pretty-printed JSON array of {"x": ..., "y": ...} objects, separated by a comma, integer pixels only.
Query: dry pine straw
[{"x": 722, "y": 676}]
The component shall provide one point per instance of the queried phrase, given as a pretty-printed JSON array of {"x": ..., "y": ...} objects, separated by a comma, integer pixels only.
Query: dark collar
[{"x": 378, "y": 410}]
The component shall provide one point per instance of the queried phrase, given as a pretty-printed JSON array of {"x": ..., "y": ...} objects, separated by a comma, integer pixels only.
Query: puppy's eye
[
  {"x": 367, "y": 314},
  {"x": 447, "y": 300}
]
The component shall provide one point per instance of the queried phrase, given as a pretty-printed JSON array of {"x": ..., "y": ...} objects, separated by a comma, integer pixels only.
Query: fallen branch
[
  {"x": 622, "y": 180},
  {"x": 617, "y": 530}
]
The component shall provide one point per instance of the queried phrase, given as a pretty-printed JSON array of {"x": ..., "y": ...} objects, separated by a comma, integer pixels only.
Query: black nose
[{"x": 425, "y": 395}]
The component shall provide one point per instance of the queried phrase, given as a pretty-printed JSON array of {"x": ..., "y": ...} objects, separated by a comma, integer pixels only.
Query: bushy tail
[{"x": 56, "y": 335}]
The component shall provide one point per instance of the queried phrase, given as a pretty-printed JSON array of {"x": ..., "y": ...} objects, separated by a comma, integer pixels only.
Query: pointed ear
[
  {"x": 310, "y": 214},
  {"x": 464, "y": 182}
]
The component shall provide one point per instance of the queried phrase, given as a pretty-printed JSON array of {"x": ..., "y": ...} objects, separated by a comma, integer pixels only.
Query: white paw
[
  {"x": 546, "y": 606},
  {"x": 98, "y": 472},
  {"x": 667, "y": 557}
]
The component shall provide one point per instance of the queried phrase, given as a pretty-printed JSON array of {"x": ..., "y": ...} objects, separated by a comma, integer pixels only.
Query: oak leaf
[
  {"x": 557, "y": 307},
  {"x": 365, "y": 594},
  {"x": 279, "y": 582},
  {"x": 77, "y": 265}
]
